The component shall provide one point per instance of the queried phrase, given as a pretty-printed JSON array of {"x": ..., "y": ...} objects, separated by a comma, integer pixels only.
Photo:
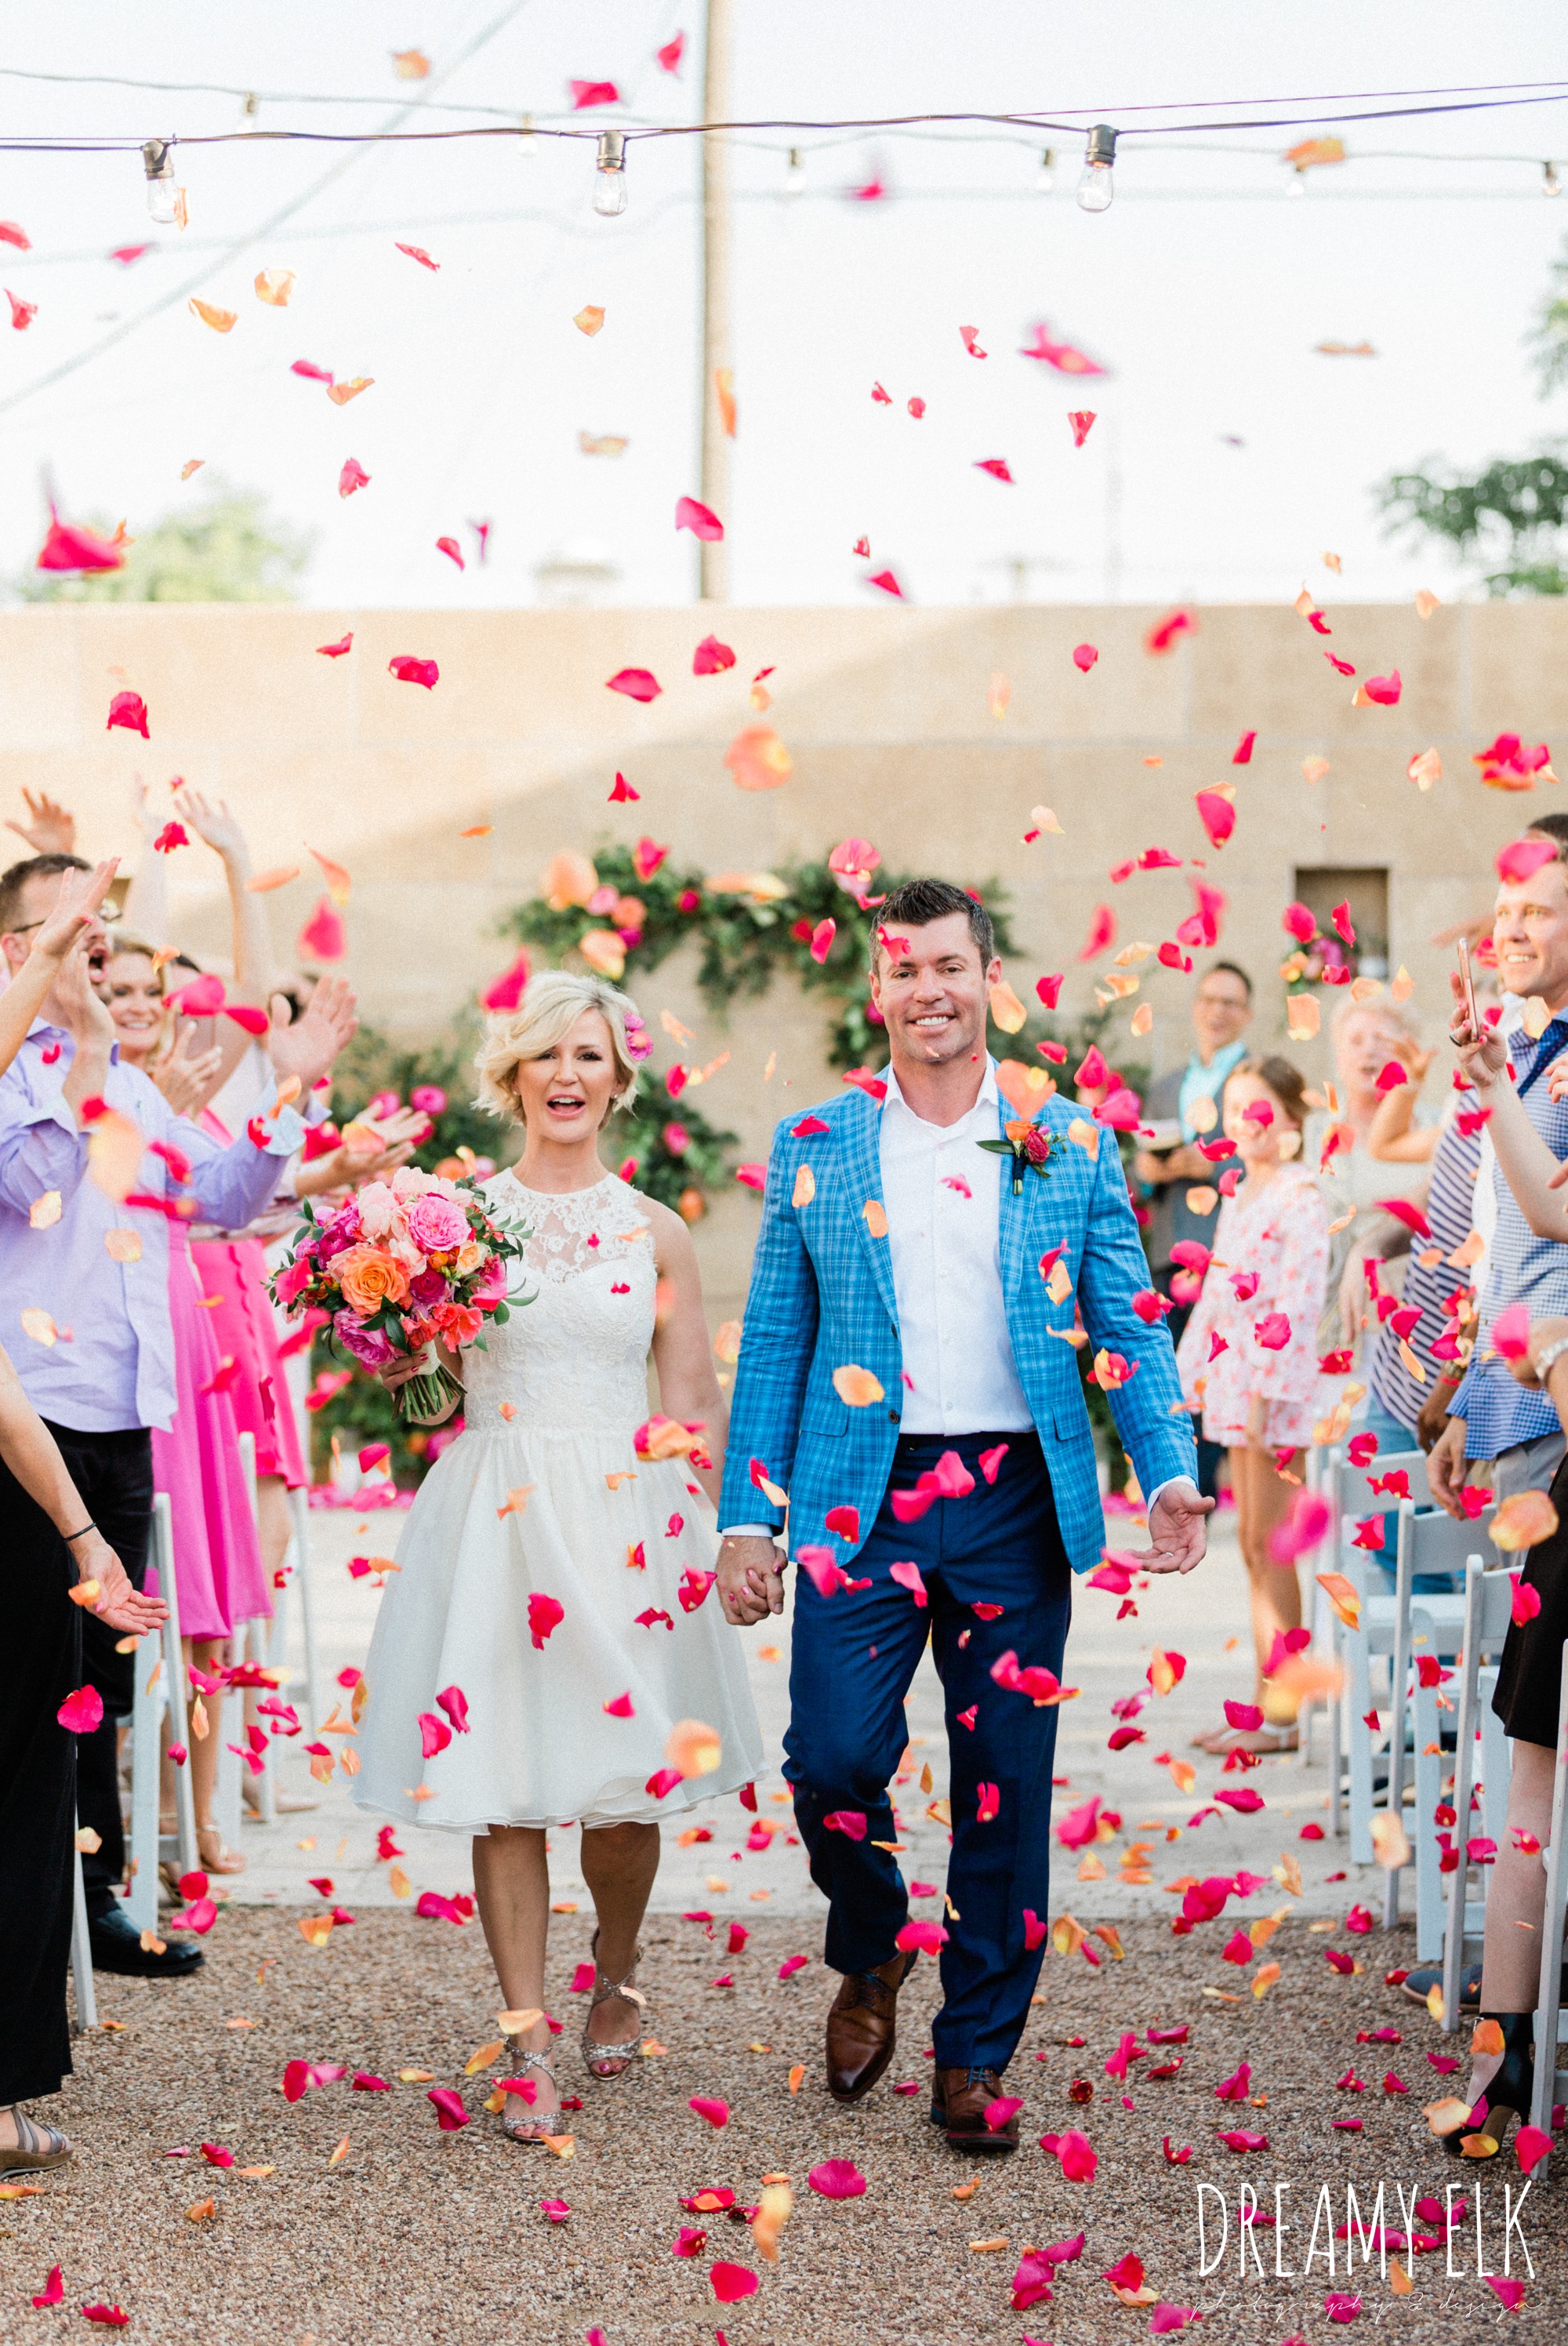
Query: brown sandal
[{"x": 36, "y": 2147}]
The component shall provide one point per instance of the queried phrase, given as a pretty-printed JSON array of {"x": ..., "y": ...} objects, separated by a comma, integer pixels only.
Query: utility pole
[{"x": 717, "y": 360}]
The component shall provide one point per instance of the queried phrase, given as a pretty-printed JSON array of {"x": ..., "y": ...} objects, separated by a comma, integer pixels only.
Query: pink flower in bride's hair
[
  {"x": 458, "y": 1323},
  {"x": 436, "y": 1223},
  {"x": 369, "y": 1346},
  {"x": 638, "y": 1043}
]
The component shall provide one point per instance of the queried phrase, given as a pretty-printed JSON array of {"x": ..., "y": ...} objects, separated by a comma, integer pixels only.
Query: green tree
[
  {"x": 228, "y": 547},
  {"x": 1513, "y": 513}
]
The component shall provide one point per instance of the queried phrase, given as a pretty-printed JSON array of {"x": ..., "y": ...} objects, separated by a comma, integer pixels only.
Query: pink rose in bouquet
[
  {"x": 397, "y": 1267},
  {"x": 436, "y": 1224}
]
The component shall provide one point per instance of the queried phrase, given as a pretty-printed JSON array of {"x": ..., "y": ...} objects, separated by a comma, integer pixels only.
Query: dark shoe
[
  {"x": 1419, "y": 1984},
  {"x": 116, "y": 1947},
  {"x": 860, "y": 2028},
  {"x": 1507, "y": 2092},
  {"x": 959, "y": 2101}
]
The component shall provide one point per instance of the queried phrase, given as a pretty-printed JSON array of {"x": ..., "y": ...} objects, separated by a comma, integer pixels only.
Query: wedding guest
[
  {"x": 1367, "y": 1038},
  {"x": 1527, "y": 1261},
  {"x": 544, "y": 1501},
  {"x": 1249, "y": 1358},
  {"x": 102, "y": 1392},
  {"x": 1171, "y": 1172},
  {"x": 51, "y": 1546}
]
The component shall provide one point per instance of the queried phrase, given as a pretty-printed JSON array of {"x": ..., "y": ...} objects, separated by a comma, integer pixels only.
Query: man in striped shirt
[{"x": 1492, "y": 1416}]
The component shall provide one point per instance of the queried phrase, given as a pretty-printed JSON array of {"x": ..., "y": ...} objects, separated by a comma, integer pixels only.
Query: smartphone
[{"x": 1467, "y": 987}]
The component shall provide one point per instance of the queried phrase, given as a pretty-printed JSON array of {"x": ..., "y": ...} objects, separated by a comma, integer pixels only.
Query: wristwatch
[{"x": 1550, "y": 1357}]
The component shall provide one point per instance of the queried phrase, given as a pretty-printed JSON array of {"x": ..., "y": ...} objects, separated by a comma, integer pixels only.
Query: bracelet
[
  {"x": 69, "y": 1537},
  {"x": 1550, "y": 1357}
]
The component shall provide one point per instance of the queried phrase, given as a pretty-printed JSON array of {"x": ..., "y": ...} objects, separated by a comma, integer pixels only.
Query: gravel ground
[{"x": 419, "y": 2235}]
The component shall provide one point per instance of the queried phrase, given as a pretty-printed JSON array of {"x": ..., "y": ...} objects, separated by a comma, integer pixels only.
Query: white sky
[{"x": 1204, "y": 287}]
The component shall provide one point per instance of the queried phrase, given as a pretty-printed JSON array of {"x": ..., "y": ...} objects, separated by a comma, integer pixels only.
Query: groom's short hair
[{"x": 919, "y": 901}]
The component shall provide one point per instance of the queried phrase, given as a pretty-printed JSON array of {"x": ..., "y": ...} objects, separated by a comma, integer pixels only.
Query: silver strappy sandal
[
  {"x": 607, "y": 2061},
  {"x": 36, "y": 2147},
  {"x": 534, "y": 2128}
]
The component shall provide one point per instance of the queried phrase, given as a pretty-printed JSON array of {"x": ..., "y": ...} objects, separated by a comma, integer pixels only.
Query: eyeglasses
[{"x": 109, "y": 914}]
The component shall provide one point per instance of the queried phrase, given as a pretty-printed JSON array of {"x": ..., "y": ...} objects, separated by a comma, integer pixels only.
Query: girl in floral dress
[{"x": 1248, "y": 1357}]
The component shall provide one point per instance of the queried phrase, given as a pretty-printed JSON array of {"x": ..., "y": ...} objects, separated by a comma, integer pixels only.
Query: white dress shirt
[{"x": 942, "y": 1194}]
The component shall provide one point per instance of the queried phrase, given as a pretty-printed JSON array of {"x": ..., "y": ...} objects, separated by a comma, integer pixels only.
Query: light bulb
[
  {"x": 1046, "y": 177},
  {"x": 162, "y": 195},
  {"x": 610, "y": 174},
  {"x": 527, "y": 144},
  {"x": 1097, "y": 184},
  {"x": 250, "y": 111},
  {"x": 1297, "y": 184},
  {"x": 795, "y": 175},
  {"x": 1551, "y": 185}
]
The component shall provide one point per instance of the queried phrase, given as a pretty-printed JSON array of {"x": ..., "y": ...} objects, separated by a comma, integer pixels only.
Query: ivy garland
[{"x": 746, "y": 935}]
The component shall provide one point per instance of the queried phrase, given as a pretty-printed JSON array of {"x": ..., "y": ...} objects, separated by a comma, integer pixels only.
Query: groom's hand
[
  {"x": 750, "y": 1582},
  {"x": 1178, "y": 1534}
]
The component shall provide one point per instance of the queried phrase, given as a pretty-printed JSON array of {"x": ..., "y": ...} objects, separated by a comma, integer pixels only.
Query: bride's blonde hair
[{"x": 551, "y": 1006}]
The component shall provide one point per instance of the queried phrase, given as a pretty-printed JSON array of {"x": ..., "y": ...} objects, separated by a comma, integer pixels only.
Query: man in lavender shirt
[{"x": 109, "y": 1376}]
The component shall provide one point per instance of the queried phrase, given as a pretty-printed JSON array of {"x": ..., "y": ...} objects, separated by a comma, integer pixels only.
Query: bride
[{"x": 549, "y": 1624}]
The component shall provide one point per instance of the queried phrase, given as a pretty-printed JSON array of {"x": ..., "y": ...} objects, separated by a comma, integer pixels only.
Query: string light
[
  {"x": 1046, "y": 177},
  {"x": 162, "y": 195},
  {"x": 1551, "y": 185},
  {"x": 610, "y": 174},
  {"x": 527, "y": 142},
  {"x": 1096, "y": 183},
  {"x": 250, "y": 111},
  {"x": 795, "y": 174}
]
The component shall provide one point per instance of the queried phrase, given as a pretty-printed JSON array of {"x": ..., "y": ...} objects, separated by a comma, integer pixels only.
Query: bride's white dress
[{"x": 554, "y": 1403}]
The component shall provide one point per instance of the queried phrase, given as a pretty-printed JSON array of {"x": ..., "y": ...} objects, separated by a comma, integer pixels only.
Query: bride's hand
[
  {"x": 408, "y": 1364},
  {"x": 750, "y": 1582}
]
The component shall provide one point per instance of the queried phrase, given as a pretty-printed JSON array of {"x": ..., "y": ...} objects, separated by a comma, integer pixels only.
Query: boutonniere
[{"x": 1029, "y": 1146}]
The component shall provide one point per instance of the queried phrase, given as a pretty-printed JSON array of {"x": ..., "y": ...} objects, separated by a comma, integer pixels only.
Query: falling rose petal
[
  {"x": 700, "y": 519},
  {"x": 1081, "y": 421},
  {"x": 220, "y": 320},
  {"x": 66, "y": 548},
  {"x": 715, "y": 2112},
  {"x": 997, "y": 466},
  {"x": 1063, "y": 356},
  {"x": 1101, "y": 937},
  {"x": 127, "y": 709},
  {"x": 410, "y": 671},
  {"x": 711, "y": 658},
  {"x": 923, "y": 1937},
  {"x": 731, "y": 2283},
  {"x": 452, "y": 551},
  {"x": 758, "y": 759},
  {"x": 417, "y": 253},
  {"x": 449, "y": 2108},
  {"x": 856, "y": 1387},
  {"x": 837, "y": 2178},
  {"x": 886, "y": 580},
  {"x": 1216, "y": 812},
  {"x": 636, "y": 683},
  {"x": 1525, "y": 857},
  {"x": 330, "y": 651},
  {"x": 1084, "y": 657},
  {"x": 82, "y": 1713},
  {"x": 1076, "y": 2154},
  {"x": 323, "y": 936},
  {"x": 593, "y": 93}
]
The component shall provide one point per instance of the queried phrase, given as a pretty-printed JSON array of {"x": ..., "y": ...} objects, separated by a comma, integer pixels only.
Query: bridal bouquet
[{"x": 399, "y": 1264}]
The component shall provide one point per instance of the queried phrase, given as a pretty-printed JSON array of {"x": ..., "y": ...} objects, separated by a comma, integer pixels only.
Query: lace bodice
[{"x": 575, "y": 1358}]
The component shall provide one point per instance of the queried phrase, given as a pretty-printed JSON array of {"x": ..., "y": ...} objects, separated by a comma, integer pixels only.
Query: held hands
[
  {"x": 1178, "y": 1533},
  {"x": 751, "y": 1583}
]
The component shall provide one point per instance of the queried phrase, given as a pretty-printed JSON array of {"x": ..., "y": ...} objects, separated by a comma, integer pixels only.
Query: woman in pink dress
[
  {"x": 1249, "y": 1356},
  {"x": 216, "y": 1553}
]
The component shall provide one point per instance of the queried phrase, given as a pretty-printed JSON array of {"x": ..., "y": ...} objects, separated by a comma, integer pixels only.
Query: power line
[{"x": 237, "y": 245}]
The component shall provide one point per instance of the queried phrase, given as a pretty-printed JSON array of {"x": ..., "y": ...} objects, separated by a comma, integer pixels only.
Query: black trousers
[{"x": 113, "y": 1471}]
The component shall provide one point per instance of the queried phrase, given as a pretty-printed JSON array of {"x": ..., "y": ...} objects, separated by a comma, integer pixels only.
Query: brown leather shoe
[
  {"x": 860, "y": 2030},
  {"x": 959, "y": 2101}
]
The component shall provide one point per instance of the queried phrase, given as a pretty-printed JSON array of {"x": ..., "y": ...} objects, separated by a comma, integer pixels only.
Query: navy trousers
[{"x": 855, "y": 1653}]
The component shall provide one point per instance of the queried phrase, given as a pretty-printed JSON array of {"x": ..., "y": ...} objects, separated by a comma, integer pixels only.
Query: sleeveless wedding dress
[{"x": 542, "y": 1496}]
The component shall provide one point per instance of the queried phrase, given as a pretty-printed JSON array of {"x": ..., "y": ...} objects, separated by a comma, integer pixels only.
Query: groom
[{"x": 958, "y": 1499}]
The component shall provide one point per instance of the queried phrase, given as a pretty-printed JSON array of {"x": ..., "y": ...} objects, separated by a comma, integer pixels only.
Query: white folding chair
[
  {"x": 159, "y": 1688},
  {"x": 82, "y": 1952},
  {"x": 297, "y": 1581},
  {"x": 1353, "y": 1499},
  {"x": 1551, "y": 2079},
  {"x": 1436, "y": 1631},
  {"x": 1432, "y": 1545},
  {"x": 1488, "y": 1610}
]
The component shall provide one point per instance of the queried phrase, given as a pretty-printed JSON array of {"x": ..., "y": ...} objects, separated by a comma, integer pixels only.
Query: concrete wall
[{"x": 885, "y": 713}]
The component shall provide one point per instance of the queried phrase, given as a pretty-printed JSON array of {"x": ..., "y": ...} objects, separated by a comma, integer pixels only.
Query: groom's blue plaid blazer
[{"x": 821, "y": 1296}]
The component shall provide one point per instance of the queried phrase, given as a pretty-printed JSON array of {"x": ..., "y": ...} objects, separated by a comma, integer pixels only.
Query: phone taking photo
[{"x": 1467, "y": 988}]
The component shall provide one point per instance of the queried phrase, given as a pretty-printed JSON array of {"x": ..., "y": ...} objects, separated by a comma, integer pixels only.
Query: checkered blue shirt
[{"x": 1499, "y": 1414}]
